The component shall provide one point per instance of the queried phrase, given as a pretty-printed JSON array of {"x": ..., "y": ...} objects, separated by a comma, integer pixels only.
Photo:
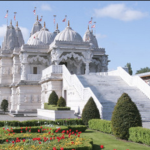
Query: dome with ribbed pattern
[{"x": 68, "y": 35}]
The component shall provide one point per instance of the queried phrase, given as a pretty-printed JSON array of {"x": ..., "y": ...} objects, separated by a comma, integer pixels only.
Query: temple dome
[
  {"x": 89, "y": 37},
  {"x": 43, "y": 35},
  {"x": 36, "y": 41},
  {"x": 36, "y": 27},
  {"x": 68, "y": 35}
]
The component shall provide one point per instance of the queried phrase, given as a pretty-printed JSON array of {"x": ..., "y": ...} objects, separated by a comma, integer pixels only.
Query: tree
[
  {"x": 129, "y": 68},
  {"x": 143, "y": 70},
  {"x": 4, "y": 105},
  {"x": 61, "y": 102},
  {"x": 124, "y": 116},
  {"x": 53, "y": 98},
  {"x": 90, "y": 111}
]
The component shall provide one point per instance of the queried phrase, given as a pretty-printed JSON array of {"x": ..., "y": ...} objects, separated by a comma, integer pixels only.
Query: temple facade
[{"x": 21, "y": 64}]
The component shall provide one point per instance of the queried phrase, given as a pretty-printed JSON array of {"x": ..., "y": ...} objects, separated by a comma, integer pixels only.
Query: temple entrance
[{"x": 63, "y": 63}]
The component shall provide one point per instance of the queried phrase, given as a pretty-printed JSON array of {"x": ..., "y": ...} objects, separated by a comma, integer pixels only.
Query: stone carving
[
  {"x": 41, "y": 59},
  {"x": 70, "y": 55},
  {"x": 104, "y": 60},
  {"x": 55, "y": 54},
  {"x": 87, "y": 55}
]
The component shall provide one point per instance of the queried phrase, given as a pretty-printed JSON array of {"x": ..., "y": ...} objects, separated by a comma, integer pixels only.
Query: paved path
[{"x": 9, "y": 118}]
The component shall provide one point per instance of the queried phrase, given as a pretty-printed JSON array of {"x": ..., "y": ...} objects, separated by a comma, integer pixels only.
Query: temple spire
[
  {"x": 17, "y": 24},
  {"x": 57, "y": 27},
  {"x": 37, "y": 18},
  {"x": 44, "y": 24},
  {"x": 10, "y": 22}
]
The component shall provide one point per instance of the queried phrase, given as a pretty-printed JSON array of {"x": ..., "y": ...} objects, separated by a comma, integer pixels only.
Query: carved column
[
  {"x": 24, "y": 65},
  {"x": 87, "y": 68}
]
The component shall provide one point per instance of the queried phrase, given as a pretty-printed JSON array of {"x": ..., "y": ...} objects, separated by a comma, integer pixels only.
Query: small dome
[
  {"x": 89, "y": 37},
  {"x": 43, "y": 35},
  {"x": 35, "y": 41},
  {"x": 36, "y": 27},
  {"x": 69, "y": 35}
]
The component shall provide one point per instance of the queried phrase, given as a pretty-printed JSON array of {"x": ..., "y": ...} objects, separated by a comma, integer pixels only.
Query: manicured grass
[{"x": 111, "y": 143}]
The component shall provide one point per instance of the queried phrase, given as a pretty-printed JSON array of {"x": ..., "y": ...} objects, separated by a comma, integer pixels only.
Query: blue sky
[{"x": 122, "y": 27}]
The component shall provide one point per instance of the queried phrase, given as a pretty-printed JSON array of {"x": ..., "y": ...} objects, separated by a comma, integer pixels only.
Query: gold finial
[
  {"x": 44, "y": 24},
  {"x": 88, "y": 27},
  {"x": 57, "y": 27},
  {"x": 17, "y": 24},
  {"x": 37, "y": 18},
  {"x": 68, "y": 23},
  {"x": 10, "y": 22}
]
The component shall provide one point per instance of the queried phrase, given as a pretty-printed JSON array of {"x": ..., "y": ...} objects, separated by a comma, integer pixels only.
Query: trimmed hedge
[
  {"x": 100, "y": 125},
  {"x": 81, "y": 128},
  {"x": 61, "y": 102},
  {"x": 90, "y": 111},
  {"x": 125, "y": 116},
  {"x": 53, "y": 98},
  {"x": 54, "y": 107},
  {"x": 139, "y": 135},
  {"x": 41, "y": 122}
]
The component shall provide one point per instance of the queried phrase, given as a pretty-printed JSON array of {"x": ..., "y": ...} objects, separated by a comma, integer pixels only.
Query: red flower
[
  {"x": 21, "y": 131},
  {"x": 39, "y": 142},
  {"x": 41, "y": 127},
  {"x": 72, "y": 142},
  {"x": 29, "y": 130},
  {"x": 38, "y": 130},
  {"x": 50, "y": 138},
  {"x": 53, "y": 137},
  {"x": 79, "y": 135},
  {"x": 7, "y": 140},
  {"x": 76, "y": 130},
  {"x": 13, "y": 142},
  {"x": 61, "y": 148},
  {"x": 23, "y": 140},
  {"x": 21, "y": 127},
  {"x": 54, "y": 148},
  {"x": 30, "y": 127},
  {"x": 3, "y": 128},
  {"x": 101, "y": 146}
]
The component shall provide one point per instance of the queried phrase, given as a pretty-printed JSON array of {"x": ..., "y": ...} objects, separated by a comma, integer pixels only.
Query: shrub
[
  {"x": 125, "y": 115},
  {"x": 90, "y": 111},
  {"x": 4, "y": 105},
  {"x": 54, "y": 107},
  {"x": 100, "y": 125},
  {"x": 61, "y": 102},
  {"x": 139, "y": 135},
  {"x": 53, "y": 98}
]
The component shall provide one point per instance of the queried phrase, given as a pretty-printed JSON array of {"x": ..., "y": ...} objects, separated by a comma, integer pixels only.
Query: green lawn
[{"x": 111, "y": 143}]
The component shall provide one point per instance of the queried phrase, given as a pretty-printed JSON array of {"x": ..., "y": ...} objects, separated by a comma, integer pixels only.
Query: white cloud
[
  {"x": 119, "y": 11},
  {"x": 2, "y": 31},
  {"x": 25, "y": 33},
  {"x": 100, "y": 36},
  {"x": 46, "y": 7}
]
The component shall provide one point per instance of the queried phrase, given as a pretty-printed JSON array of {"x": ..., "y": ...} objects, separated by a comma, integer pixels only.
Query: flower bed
[
  {"x": 50, "y": 139},
  {"x": 42, "y": 122}
]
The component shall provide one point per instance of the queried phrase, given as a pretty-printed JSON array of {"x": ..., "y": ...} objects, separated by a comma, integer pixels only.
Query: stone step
[{"x": 108, "y": 89}]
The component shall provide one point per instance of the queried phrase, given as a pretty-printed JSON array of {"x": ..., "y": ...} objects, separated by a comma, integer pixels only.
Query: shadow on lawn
[
  {"x": 89, "y": 131},
  {"x": 96, "y": 147}
]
